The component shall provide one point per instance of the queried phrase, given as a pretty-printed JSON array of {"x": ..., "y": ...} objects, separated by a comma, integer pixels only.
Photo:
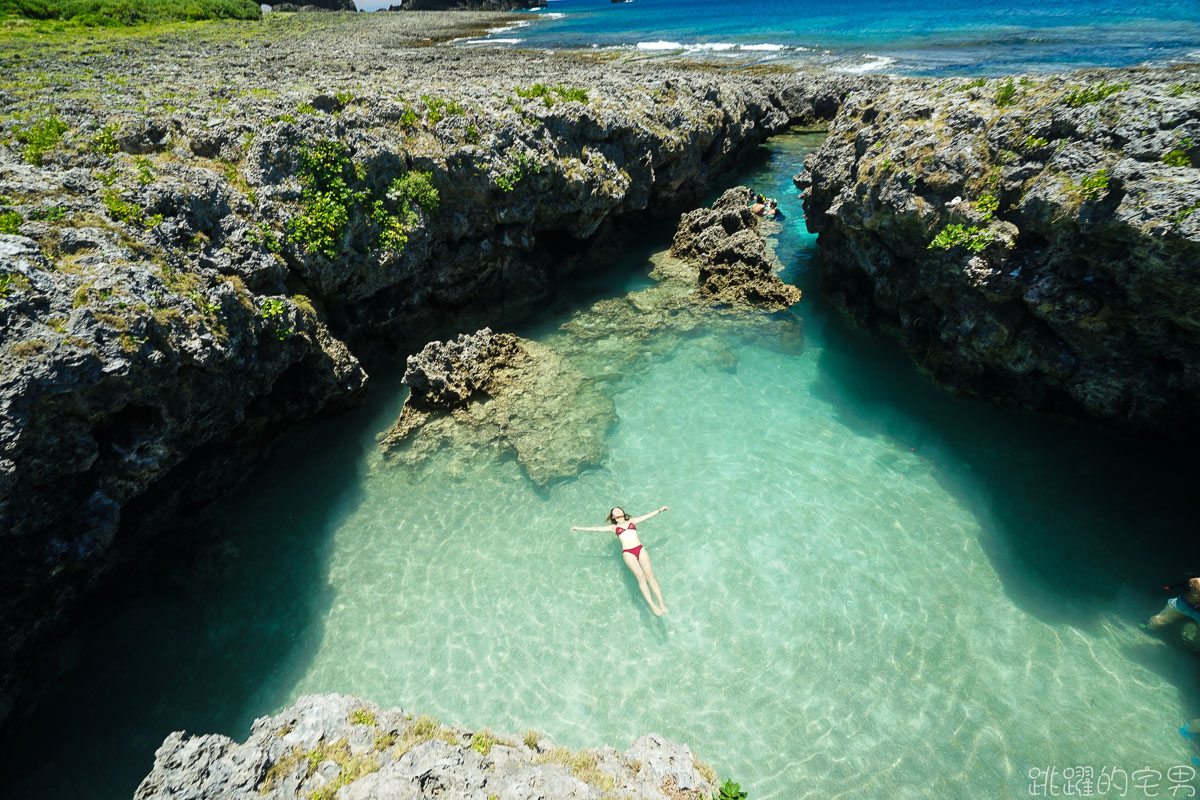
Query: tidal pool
[{"x": 876, "y": 588}]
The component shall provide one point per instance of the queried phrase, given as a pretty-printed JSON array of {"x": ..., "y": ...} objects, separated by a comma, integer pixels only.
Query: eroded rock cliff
[
  {"x": 1031, "y": 240},
  {"x": 335, "y": 744}
]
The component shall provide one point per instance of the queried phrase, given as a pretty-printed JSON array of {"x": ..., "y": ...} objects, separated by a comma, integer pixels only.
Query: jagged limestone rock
[
  {"x": 1067, "y": 273},
  {"x": 513, "y": 394},
  {"x": 338, "y": 743}
]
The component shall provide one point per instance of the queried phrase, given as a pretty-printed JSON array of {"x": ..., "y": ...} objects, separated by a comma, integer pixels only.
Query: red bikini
[{"x": 633, "y": 551}]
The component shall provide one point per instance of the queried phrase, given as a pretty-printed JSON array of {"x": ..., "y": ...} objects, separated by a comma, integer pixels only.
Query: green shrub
[
  {"x": 10, "y": 222},
  {"x": 145, "y": 171},
  {"x": 731, "y": 791},
  {"x": 1093, "y": 94},
  {"x": 517, "y": 167},
  {"x": 975, "y": 84},
  {"x": 272, "y": 310},
  {"x": 1179, "y": 216},
  {"x": 989, "y": 205},
  {"x": 974, "y": 238},
  {"x": 437, "y": 108},
  {"x": 1032, "y": 142},
  {"x": 39, "y": 137},
  {"x": 415, "y": 187},
  {"x": 1005, "y": 94},
  {"x": 330, "y": 204},
  {"x": 105, "y": 142}
]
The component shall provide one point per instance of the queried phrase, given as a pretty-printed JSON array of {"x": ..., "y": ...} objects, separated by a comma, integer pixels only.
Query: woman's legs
[
  {"x": 1166, "y": 617},
  {"x": 636, "y": 569},
  {"x": 644, "y": 563}
]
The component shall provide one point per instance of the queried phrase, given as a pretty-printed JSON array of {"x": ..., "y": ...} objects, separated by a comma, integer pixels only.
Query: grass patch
[
  {"x": 531, "y": 739},
  {"x": 975, "y": 84},
  {"x": 483, "y": 741},
  {"x": 552, "y": 94},
  {"x": 585, "y": 765},
  {"x": 1006, "y": 94},
  {"x": 362, "y": 716},
  {"x": 121, "y": 13},
  {"x": 1177, "y": 158},
  {"x": 28, "y": 348},
  {"x": 1094, "y": 94}
]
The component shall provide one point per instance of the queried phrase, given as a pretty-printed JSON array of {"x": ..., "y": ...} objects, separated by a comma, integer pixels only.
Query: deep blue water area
[{"x": 926, "y": 37}]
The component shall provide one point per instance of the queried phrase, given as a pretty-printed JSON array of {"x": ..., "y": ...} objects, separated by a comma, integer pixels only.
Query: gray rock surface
[
  {"x": 1071, "y": 280},
  {"x": 725, "y": 243},
  {"x": 336, "y": 746}
]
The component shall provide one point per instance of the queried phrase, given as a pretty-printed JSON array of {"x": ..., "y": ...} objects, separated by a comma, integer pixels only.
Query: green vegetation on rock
[
  {"x": 110, "y": 13},
  {"x": 1005, "y": 94},
  {"x": 974, "y": 238},
  {"x": 730, "y": 791},
  {"x": 549, "y": 93},
  {"x": 517, "y": 167},
  {"x": 1094, "y": 185},
  {"x": 10, "y": 222},
  {"x": 1093, "y": 94},
  {"x": 39, "y": 137},
  {"x": 330, "y": 204}
]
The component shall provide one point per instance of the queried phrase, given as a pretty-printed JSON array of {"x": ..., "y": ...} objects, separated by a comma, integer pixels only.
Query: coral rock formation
[
  {"x": 1032, "y": 240},
  {"x": 335, "y": 744}
]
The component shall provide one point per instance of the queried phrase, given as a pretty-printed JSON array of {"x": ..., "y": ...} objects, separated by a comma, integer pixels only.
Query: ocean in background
[{"x": 923, "y": 37}]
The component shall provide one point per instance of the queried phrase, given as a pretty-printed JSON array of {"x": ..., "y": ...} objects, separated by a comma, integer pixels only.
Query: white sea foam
[
  {"x": 770, "y": 47},
  {"x": 493, "y": 41},
  {"x": 713, "y": 46},
  {"x": 873, "y": 63},
  {"x": 659, "y": 45}
]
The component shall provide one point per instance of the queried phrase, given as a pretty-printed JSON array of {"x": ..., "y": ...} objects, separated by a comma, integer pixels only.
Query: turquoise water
[
  {"x": 876, "y": 588},
  {"x": 927, "y": 37}
]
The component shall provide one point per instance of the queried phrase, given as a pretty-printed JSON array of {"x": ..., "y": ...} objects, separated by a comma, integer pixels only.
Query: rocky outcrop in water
[
  {"x": 547, "y": 404},
  {"x": 724, "y": 242},
  {"x": 1034, "y": 240},
  {"x": 499, "y": 391},
  {"x": 334, "y": 745}
]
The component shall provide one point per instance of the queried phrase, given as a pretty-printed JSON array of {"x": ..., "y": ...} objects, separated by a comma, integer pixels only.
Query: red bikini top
[{"x": 631, "y": 527}]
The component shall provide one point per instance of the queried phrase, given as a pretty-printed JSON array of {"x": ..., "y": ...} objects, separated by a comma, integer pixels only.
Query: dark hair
[{"x": 611, "y": 519}]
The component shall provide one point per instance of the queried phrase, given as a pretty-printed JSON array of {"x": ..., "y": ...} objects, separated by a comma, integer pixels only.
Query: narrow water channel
[{"x": 876, "y": 588}]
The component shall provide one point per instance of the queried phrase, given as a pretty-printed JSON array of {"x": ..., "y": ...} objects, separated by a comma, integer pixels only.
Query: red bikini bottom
[{"x": 634, "y": 551}]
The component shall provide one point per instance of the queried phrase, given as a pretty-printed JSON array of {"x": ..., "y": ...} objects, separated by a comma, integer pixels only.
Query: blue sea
[{"x": 924, "y": 37}]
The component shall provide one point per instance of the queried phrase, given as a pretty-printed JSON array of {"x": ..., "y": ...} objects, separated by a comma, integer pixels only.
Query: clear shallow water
[
  {"x": 927, "y": 37},
  {"x": 876, "y": 588}
]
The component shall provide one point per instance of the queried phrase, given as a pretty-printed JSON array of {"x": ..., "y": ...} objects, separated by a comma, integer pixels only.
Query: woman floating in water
[{"x": 635, "y": 555}]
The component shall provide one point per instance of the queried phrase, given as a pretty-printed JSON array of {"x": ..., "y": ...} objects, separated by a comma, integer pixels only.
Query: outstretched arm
[
  {"x": 605, "y": 529},
  {"x": 645, "y": 517}
]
